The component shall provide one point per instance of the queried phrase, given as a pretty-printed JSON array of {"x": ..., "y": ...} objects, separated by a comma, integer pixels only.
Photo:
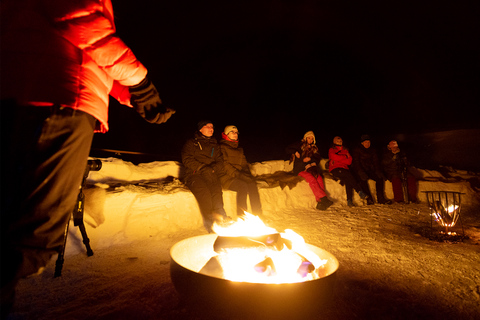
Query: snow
[{"x": 389, "y": 268}]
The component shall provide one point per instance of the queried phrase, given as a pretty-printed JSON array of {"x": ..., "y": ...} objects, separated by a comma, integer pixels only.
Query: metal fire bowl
[{"x": 216, "y": 297}]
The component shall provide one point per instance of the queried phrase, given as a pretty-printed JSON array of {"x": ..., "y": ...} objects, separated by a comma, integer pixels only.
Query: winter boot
[
  {"x": 350, "y": 203},
  {"x": 369, "y": 201},
  {"x": 362, "y": 195},
  {"x": 324, "y": 203}
]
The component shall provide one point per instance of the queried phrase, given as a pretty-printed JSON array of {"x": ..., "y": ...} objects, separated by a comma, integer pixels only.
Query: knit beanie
[
  {"x": 228, "y": 129},
  {"x": 364, "y": 137},
  {"x": 202, "y": 123},
  {"x": 309, "y": 134}
]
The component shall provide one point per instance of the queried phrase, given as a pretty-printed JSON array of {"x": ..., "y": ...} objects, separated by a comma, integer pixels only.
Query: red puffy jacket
[
  {"x": 339, "y": 158},
  {"x": 65, "y": 53}
]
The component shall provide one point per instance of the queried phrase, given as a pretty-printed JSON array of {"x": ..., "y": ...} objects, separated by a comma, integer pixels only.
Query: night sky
[{"x": 277, "y": 69}]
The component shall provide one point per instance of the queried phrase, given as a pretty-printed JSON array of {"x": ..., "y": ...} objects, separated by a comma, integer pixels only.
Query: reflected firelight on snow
[{"x": 277, "y": 258}]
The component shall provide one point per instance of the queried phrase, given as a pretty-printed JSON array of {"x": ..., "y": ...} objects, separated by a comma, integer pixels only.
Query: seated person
[
  {"x": 305, "y": 157},
  {"x": 366, "y": 165},
  {"x": 397, "y": 170},
  {"x": 236, "y": 175},
  {"x": 203, "y": 161},
  {"x": 339, "y": 162}
]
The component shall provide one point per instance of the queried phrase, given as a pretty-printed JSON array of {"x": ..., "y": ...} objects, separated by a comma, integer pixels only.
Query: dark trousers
[
  {"x": 44, "y": 153},
  {"x": 244, "y": 188},
  {"x": 348, "y": 180},
  {"x": 379, "y": 186},
  {"x": 207, "y": 190}
]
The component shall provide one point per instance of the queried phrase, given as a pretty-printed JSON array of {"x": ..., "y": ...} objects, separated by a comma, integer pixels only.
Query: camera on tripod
[{"x": 94, "y": 165}]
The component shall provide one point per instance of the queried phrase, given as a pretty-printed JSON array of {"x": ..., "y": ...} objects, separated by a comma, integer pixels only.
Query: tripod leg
[
  {"x": 86, "y": 241},
  {"x": 61, "y": 254}
]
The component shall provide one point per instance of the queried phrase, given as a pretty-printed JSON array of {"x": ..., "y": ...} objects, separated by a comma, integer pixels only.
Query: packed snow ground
[{"x": 389, "y": 268}]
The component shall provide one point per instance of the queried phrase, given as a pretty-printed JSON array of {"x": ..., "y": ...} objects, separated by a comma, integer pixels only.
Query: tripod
[{"x": 94, "y": 165}]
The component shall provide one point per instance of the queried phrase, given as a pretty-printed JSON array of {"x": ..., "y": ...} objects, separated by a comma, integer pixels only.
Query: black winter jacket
[
  {"x": 365, "y": 161},
  {"x": 201, "y": 152}
]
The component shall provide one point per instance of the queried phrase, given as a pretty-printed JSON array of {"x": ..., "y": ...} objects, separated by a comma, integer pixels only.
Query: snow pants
[
  {"x": 207, "y": 190},
  {"x": 316, "y": 184},
  {"x": 398, "y": 190},
  {"x": 44, "y": 154},
  {"x": 348, "y": 180},
  {"x": 244, "y": 188}
]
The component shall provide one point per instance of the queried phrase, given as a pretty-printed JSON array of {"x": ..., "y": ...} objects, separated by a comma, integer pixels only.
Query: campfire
[
  {"x": 253, "y": 270},
  {"x": 249, "y": 251}
]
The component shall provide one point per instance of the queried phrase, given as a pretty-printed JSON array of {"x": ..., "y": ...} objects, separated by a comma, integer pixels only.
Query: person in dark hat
[
  {"x": 365, "y": 166},
  {"x": 203, "y": 163}
]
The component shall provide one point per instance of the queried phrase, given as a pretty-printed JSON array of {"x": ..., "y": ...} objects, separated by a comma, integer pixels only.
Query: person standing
[
  {"x": 60, "y": 60},
  {"x": 237, "y": 176},
  {"x": 339, "y": 163},
  {"x": 366, "y": 165},
  {"x": 203, "y": 161},
  {"x": 397, "y": 170},
  {"x": 306, "y": 158}
]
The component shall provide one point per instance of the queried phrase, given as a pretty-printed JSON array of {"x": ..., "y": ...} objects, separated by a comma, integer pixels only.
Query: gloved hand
[
  {"x": 244, "y": 176},
  {"x": 147, "y": 102}
]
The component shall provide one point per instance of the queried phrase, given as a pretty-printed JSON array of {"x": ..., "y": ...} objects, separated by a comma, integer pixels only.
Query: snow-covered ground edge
[{"x": 126, "y": 202}]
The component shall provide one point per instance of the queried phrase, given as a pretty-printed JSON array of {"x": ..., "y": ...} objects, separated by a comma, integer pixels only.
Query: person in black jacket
[
  {"x": 399, "y": 171},
  {"x": 203, "y": 163},
  {"x": 237, "y": 176},
  {"x": 305, "y": 157},
  {"x": 366, "y": 165}
]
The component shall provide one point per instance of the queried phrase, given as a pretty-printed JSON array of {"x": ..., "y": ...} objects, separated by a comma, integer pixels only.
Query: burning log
[
  {"x": 266, "y": 266},
  {"x": 275, "y": 240}
]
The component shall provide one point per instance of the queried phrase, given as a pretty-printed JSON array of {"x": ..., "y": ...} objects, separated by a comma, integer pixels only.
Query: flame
[
  {"x": 265, "y": 264},
  {"x": 446, "y": 217}
]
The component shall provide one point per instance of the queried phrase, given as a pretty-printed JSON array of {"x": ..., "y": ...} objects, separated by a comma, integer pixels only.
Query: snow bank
[{"x": 127, "y": 202}]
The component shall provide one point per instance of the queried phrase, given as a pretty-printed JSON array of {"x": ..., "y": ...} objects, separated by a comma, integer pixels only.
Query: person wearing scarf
[
  {"x": 305, "y": 157},
  {"x": 236, "y": 175},
  {"x": 339, "y": 162}
]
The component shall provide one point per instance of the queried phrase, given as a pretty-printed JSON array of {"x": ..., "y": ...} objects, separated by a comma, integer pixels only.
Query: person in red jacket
[
  {"x": 339, "y": 163},
  {"x": 60, "y": 60}
]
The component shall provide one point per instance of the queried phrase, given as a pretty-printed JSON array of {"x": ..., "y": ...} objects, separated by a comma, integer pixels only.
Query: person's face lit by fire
[
  {"x": 309, "y": 139},
  {"x": 207, "y": 130},
  {"x": 337, "y": 141},
  {"x": 366, "y": 144},
  {"x": 393, "y": 146},
  {"x": 233, "y": 135}
]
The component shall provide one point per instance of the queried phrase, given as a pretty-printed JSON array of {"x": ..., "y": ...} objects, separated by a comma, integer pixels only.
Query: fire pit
[
  {"x": 445, "y": 209},
  {"x": 194, "y": 275}
]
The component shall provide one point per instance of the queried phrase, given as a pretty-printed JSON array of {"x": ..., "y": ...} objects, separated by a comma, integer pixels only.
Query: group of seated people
[{"x": 212, "y": 166}]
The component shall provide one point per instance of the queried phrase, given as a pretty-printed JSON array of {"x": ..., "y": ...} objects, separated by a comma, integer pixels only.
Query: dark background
[{"x": 277, "y": 69}]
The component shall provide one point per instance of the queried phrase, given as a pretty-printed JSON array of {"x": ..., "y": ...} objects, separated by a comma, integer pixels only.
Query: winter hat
[
  {"x": 309, "y": 134},
  {"x": 364, "y": 137},
  {"x": 228, "y": 129},
  {"x": 202, "y": 123}
]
